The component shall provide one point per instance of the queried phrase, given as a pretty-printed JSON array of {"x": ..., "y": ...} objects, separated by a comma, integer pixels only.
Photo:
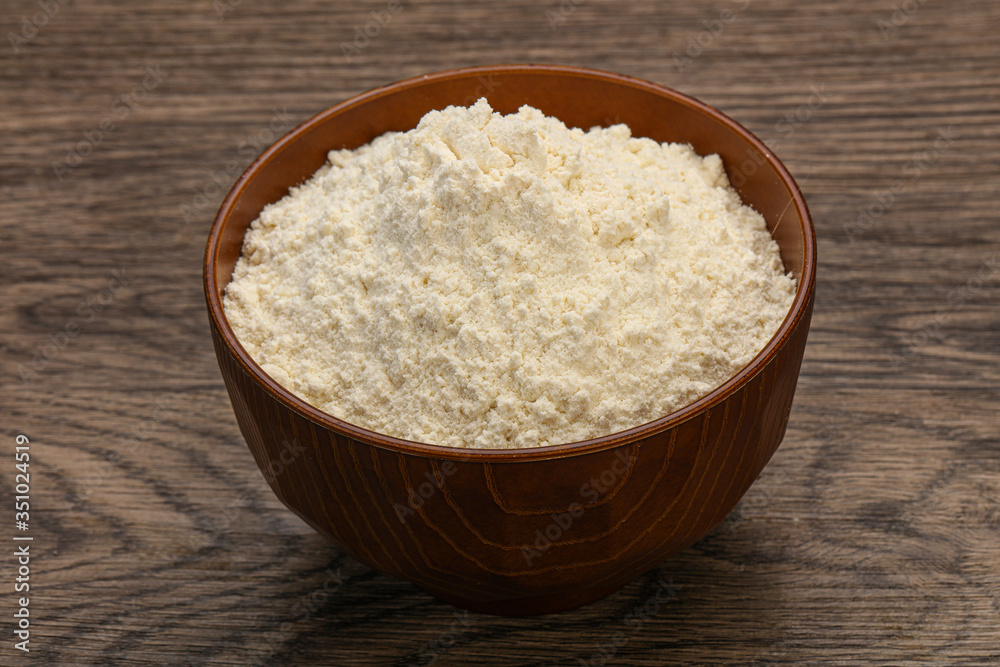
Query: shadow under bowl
[{"x": 524, "y": 531}]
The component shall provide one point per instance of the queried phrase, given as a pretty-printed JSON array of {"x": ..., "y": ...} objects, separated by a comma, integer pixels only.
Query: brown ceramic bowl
[{"x": 522, "y": 531}]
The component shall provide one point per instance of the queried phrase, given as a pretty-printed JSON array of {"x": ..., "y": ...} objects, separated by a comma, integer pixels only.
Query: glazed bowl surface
[{"x": 519, "y": 531}]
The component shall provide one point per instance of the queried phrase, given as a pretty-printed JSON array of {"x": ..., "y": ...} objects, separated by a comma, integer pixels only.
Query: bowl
[{"x": 519, "y": 531}]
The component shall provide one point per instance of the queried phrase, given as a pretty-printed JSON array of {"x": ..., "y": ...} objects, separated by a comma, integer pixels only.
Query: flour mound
[{"x": 493, "y": 281}]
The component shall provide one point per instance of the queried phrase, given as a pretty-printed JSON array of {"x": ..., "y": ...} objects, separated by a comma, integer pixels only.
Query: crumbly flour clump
[{"x": 494, "y": 281}]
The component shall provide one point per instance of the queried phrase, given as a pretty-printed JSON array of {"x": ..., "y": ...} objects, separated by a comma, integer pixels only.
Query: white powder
[{"x": 503, "y": 281}]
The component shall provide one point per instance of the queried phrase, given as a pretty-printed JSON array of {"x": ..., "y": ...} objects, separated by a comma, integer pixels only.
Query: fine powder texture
[{"x": 497, "y": 281}]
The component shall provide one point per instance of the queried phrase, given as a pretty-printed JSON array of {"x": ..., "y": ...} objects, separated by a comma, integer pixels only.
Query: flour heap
[{"x": 493, "y": 281}]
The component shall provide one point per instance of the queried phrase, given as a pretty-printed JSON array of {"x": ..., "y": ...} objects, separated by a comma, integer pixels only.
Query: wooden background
[{"x": 872, "y": 537}]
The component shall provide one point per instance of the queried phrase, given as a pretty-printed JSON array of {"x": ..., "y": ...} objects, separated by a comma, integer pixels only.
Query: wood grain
[{"x": 872, "y": 537}]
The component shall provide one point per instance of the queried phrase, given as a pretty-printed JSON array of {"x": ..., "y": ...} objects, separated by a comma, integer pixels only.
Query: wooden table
[{"x": 872, "y": 537}]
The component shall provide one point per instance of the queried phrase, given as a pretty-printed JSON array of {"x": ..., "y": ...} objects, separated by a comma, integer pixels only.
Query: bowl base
[{"x": 534, "y": 605}]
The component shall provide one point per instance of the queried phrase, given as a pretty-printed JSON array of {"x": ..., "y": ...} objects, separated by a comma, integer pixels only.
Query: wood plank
[{"x": 873, "y": 536}]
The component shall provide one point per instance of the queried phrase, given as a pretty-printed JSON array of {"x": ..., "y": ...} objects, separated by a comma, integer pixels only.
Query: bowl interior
[{"x": 578, "y": 97}]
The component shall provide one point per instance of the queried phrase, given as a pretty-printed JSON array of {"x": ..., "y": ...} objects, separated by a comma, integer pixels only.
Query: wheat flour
[{"x": 497, "y": 281}]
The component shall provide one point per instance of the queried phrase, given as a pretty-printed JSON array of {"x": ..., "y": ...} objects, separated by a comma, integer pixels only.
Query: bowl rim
[{"x": 789, "y": 324}]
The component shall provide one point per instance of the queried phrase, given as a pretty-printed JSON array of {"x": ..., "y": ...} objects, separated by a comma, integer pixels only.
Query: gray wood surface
[{"x": 873, "y": 537}]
